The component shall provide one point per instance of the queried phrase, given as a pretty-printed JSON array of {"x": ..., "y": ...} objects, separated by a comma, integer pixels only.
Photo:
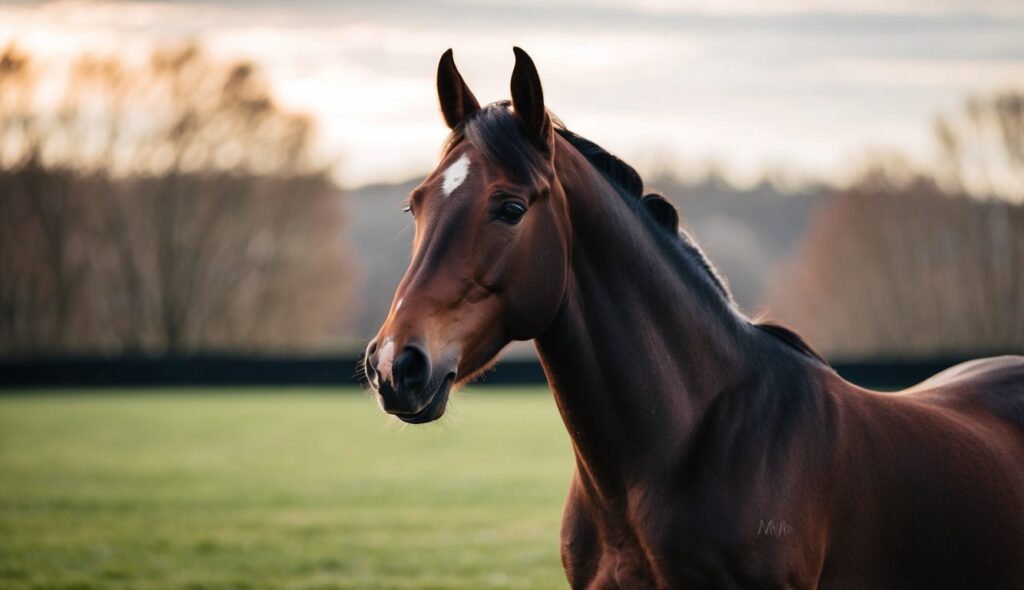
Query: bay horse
[{"x": 711, "y": 450}]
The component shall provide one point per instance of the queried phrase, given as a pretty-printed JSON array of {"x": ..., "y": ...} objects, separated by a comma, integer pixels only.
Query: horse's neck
[{"x": 639, "y": 349}]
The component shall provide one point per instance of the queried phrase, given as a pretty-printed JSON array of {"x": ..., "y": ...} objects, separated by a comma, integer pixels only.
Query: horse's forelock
[{"x": 497, "y": 133}]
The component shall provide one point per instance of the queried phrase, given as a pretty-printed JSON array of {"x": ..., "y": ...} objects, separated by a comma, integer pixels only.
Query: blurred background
[
  {"x": 184, "y": 177},
  {"x": 211, "y": 192}
]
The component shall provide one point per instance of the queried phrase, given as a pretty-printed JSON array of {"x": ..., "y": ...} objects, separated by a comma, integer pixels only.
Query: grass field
[{"x": 278, "y": 489}]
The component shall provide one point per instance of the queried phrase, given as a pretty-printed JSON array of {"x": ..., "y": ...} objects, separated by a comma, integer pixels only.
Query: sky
[{"x": 806, "y": 87}]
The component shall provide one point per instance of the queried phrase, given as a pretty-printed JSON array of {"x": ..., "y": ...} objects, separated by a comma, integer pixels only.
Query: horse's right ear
[
  {"x": 663, "y": 212},
  {"x": 457, "y": 101}
]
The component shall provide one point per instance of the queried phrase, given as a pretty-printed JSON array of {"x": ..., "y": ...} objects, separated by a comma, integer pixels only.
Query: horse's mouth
[{"x": 435, "y": 407}]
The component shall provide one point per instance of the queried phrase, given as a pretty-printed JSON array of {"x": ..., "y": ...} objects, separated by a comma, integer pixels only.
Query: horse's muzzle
[{"x": 406, "y": 386}]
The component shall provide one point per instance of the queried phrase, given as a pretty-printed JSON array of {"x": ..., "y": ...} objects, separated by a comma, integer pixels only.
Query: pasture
[{"x": 289, "y": 488}]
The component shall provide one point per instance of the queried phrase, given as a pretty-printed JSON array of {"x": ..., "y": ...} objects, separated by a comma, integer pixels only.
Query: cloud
[{"x": 806, "y": 82}]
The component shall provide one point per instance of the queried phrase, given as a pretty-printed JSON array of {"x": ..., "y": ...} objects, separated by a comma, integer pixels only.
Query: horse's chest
[
  {"x": 627, "y": 566},
  {"x": 619, "y": 549},
  {"x": 604, "y": 548}
]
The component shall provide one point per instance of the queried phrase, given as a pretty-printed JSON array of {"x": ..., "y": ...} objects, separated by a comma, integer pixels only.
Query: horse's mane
[
  {"x": 788, "y": 337},
  {"x": 625, "y": 178},
  {"x": 495, "y": 130}
]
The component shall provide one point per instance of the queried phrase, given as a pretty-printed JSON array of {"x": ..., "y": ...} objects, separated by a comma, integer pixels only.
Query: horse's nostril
[
  {"x": 368, "y": 365},
  {"x": 411, "y": 369}
]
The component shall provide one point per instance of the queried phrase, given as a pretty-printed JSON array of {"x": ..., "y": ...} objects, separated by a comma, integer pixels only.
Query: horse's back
[
  {"x": 994, "y": 385},
  {"x": 930, "y": 485}
]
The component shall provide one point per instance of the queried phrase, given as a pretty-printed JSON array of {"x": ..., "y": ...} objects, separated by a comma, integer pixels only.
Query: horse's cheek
[
  {"x": 495, "y": 264},
  {"x": 537, "y": 281}
]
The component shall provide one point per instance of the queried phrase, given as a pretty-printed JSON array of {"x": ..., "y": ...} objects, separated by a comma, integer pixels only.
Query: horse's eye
[
  {"x": 510, "y": 212},
  {"x": 408, "y": 209}
]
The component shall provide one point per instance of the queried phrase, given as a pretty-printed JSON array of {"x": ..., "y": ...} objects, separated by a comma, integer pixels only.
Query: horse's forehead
[
  {"x": 455, "y": 174},
  {"x": 462, "y": 170}
]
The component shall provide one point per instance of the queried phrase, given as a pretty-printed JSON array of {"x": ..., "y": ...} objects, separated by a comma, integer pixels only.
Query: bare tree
[
  {"x": 40, "y": 234},
  {"x": 906, "y": 263},
  {"x": 901, "y": 268},
  {"x": 169, "y": 208},
  {"x": 982, "y": 147}
]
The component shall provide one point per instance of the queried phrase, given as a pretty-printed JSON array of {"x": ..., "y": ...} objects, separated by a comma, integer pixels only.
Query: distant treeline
[
  {"x": 907, "y": 269},
  {"x": 915, "y": 262},
  {"x": 163, "y": 209},
  {"x": 175, "y": 208}
]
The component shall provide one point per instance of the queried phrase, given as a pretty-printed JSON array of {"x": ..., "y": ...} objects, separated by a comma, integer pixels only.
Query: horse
[{"x": 711, "y": 450}]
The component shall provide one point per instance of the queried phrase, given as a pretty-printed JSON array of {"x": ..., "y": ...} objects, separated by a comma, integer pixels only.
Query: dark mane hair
[
  {"x": 628, "y": 181},
  {"x": 621, "y": 174},
  {"x": 496, "y": 131},
  {"x": 788, "y": 337}
]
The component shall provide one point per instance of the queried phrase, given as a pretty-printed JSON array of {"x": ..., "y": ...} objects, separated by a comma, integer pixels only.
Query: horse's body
[
  {"x": 853, "y": 489},
  {"x": 711, "y": 451}
]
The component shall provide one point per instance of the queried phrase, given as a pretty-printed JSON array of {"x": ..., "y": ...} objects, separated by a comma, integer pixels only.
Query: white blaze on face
[
  {"x": 386, "y": 359},
  {"x": 455, "y": 175}
]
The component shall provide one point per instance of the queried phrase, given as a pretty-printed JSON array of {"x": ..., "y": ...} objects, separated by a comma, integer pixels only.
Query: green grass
[{"x": 278, "y": 489}]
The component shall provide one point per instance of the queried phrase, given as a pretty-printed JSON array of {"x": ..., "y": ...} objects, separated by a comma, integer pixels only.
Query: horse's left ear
[
  {"x": 528, "y": 100},
  {"x": 457, "y": 101}
]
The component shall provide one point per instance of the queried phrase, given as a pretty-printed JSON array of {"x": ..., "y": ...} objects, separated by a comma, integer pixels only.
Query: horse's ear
[
  {"x": 663, "y": 212},
  {"x": 457, "y": 101},
  {"x": 528, "y": 99}
]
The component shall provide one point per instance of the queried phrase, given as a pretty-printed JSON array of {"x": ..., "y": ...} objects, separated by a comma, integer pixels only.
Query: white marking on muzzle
[
  {"x": 386, "y": 359},
  {"x": 455, "y": 174}
]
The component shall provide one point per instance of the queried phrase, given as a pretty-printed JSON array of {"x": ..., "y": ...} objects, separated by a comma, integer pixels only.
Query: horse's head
[{"x": 490, "y": 253}]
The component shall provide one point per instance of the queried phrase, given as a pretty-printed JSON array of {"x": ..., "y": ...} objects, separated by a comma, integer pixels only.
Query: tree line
[
  {"x": 172, "y": 206},
  {"x": 909, "y": 262},
  {"x": 163, "y": 208}
]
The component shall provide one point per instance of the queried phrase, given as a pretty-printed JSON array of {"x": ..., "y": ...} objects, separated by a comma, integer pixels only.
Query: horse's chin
[{"x": 435, "y": 407}]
